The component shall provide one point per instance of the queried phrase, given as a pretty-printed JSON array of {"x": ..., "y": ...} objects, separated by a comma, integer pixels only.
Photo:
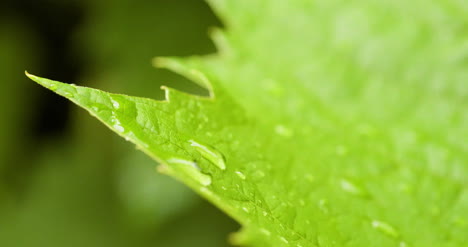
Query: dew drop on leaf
[
  {"x": 265, "y": 231},
  {"x": 283, "y": 131},
  {"x": 240, "y": 174},
  {"x": 211, "y": 154},
  {"x": 117, "y": 125},
  {"x": 353, "y": 188},
  {"x": 115, "y": 104},
  {"x": 385, "y": 228},
  {"x": 191, "y": 168},
  {"x": 283, "y": 239}
]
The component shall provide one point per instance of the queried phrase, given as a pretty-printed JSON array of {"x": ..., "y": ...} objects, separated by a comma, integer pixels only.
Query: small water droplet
[
  {"x": 385, "y": 228},
  {"x": 210, "y": 154},
  {"x": 265, "y": 231},
  {"x": 52, "y": 86},
  {"x": 119, "y": 128},
  {"x": 192, "y": 169},
  {"x": 245, "y": 209},
  {"x": 184, "y": 162},
  {"x": 283, "y": 131},
  {"x": 258, "y": 174},
  {"x": 115, "y": 104},
  {"x": 68, "y": 94},
  {"x": 403, "y": 244},
  {"x": 352, "y": 188},
  {"x": 117, "y": 125},
  {"x": 265, "y": 213},
  {"x": 240, "y": 174},
  {"x": 284, "y": 239},
  {"x": 323, "y": 205}
]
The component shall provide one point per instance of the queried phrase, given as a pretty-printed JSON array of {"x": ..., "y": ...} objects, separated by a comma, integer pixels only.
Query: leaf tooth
[{"x": 182, "y": 68}]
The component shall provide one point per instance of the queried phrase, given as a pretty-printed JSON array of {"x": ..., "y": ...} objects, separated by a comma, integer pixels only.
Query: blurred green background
[{"x": 65, "y": 179}]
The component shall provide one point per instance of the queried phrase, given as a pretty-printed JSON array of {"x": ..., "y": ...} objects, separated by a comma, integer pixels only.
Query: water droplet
[
  {"x": 115, "y": 104},
  {"x": 191, "y": 169},
  {"x": 385, "y": 228},
  {"x": 284, "y": 239},
  {"x": 323, "y": 205},
  {"x": 52, "y": 86},
  {"x": 245, "y": 209},
  {"x": 68, "y": 94},
  {"x": 352, "y": 188},
  {"x": 258, "y": 174},
  {"x": 95, "y": 108},
  {"x": 265, "y": 231},
  {"x": 240, "y": 174},
  {"x": 210, "y": 154},
  {"x": 265, "y": 213},
  {"x": 117, "y": 125},
  {"x": 283, "y": 131},
  {"x": 403, "y": 244},
  {"x": 184, "y": 162}
]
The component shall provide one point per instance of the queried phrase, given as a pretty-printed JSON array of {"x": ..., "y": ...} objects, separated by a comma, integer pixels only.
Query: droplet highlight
[
  {"x": 117, "y": 125},
  {"x": 115, "y": 104},
  {"x": 352, "y": 188},
  {"x": 284, "y": 240},
  {"x": 385, "y": 228},
  {"x": 240, "y": 174},
  {"x": 283, "y": 131},
  {"x": 211, "y": 154},
  {"x": 265, "y": 231},
  {"x": 191, "y": 168}
]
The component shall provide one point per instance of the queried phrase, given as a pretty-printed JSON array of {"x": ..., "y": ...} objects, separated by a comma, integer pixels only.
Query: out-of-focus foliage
[{"x": 68, "y": 189}]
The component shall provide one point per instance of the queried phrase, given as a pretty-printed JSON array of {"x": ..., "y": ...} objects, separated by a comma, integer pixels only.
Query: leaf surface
[{"x": 330, "y": 123}]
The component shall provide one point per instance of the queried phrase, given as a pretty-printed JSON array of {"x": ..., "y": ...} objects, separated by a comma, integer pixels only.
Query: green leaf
[{"x": 329, "y": 123}]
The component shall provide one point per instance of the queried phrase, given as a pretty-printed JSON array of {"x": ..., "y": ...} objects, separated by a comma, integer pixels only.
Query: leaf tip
[{"x": 52, "y": 85}]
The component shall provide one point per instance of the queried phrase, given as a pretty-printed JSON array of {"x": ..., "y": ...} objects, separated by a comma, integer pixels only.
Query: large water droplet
[
  {"x": 385, "y": 228},
  {"x": 210, "y": 154},
  {"x": 192, "y": 169}
]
